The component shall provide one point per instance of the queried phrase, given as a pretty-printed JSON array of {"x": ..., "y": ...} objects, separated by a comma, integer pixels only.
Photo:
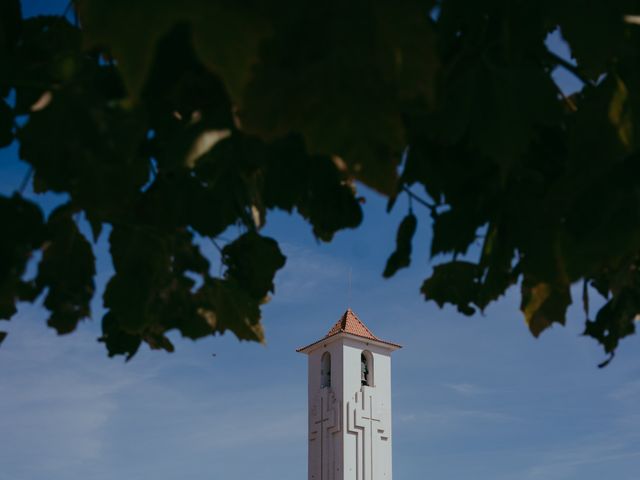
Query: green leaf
[
  {"x": 455, "y": 282},
  {"x": 226, "y": 306},
  {"x": 497, "y": 262},
  {"x": 543, "y": 304},
  {"x": 401, "y": 257},
  {"x": 118, "y": 341},
  {"x": 172, "y": 122},
  {"x": 6, "y": 124},
  {"x": 48, "y": 56},
  {"x": 329, "y": 201},
  {"x": 615, "y": 320},
  {"x": 230, "y": 49},
  {"x": 509, "y": 103},
  {"x": 67, "y": 271},
  {"x": 408, "y": 37},
  {"x": 128, "y": 32},
  {"x": 164, "y": 301},
  {"x": 252, "y": 261},
  {"x": 226, "y": 35},
  {"x": 316, "y": 186},
  {"x": 141, "y": 259},
  {"x": 17, "y": 243},
  {"x": 10, "y": 25},
  {"x": 595, "y": 34},
  {"x": 10, "y": 30},
  {"x": 453, "y": 231},
  {"x": 310, "y": 81},
  {"x": 102, "y": 140},
  {"x": 602, "y": 127},
  {"x": 184, "y": 98}
]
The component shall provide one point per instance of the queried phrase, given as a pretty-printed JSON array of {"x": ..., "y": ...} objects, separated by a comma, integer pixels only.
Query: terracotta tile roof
[{"x": 351, "y": 324}]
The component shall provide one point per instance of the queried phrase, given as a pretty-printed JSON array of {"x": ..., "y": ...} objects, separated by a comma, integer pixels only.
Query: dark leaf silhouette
[
  {"x": 66, "y": 271},
  {"x": 401, "y": 257},
  {"x": 172, "y": 125},
  {"x": 26, "y": 233}
]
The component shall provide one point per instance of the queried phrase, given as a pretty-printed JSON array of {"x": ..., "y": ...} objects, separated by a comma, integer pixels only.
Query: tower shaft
[{"x": 350, "y": 404}]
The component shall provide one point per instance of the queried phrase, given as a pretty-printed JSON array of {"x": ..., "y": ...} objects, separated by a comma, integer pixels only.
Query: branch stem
[
  {"x": 570, "y": 67},
  {"x": 413, "y": 196},
  {"x": 25, "y": 181}
]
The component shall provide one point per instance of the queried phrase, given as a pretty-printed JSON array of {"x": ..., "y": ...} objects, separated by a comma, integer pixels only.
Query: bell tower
[{"x": 349, "y": 403}]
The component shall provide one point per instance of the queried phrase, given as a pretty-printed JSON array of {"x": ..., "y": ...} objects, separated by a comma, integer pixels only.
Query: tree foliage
[{"x": 173, "y": 121}]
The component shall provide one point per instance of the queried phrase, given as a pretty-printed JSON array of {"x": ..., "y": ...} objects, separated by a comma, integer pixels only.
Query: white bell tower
[{"x": 350, "y": 403}]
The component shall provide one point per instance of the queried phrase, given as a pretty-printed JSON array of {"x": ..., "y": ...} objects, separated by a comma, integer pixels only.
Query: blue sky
[{"x": 472, "y": 397}]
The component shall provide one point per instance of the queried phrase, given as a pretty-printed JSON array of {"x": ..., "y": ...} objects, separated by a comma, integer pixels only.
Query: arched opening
[
  {"x": 325, "y": 370},
  {"x": 366, "y": 368}
]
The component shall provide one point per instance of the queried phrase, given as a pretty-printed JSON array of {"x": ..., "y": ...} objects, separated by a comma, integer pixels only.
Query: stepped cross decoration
[
  {"x": 324, "y": 422},
  {"x": 368, "y": 424}
]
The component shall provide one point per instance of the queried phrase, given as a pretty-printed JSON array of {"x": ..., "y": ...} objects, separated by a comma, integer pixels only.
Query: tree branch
[
  {"x": 25, "y": 181},
  {"x": 570, "y": 103},
  {"x": 413, "y": 196},
  {"x": 570, "y": 67}
]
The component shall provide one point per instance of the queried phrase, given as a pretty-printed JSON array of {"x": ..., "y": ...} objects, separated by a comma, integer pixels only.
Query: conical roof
[{"x": 349, "y": 323}]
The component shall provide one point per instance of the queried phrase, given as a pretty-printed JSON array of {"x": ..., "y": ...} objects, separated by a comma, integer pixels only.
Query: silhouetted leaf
[
  {"x": 25, "y": 233},
  {"x": 317, "y": 186},
  {"x": 10, "y": 25},
  {"x": 6, "y": 124},
  {"x": 496, "y": 260},
  {"x": 252, "y": 261},
  {"x": 455, "y": 282},
  {"x": 310, "y": 81},
  {"x": 401, "y": 257},
  {"x": 47, "y": 57},
  {"x": 129, "y": 33},
  {"x": 174, "y": 123},
  {"x": 117, "y": 341},
  {"x": 10, "y": 30},
  {"x": 595, "y": 34},
  {"x": 544, "y": 304},
  {"x": 225, "y": 306},
  {"x": 141, "y": 259},
  {"x": 616, "y": 319},
  {"x": 453, "y": 232},
  {"x": 66, "y": 271},
  {"x": 100, "y": 143}
]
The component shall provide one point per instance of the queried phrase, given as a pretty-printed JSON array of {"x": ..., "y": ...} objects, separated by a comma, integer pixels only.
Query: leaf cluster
[
  {"x": 167, "y": 169},
  {"x": 542, "y": 186},
  {"x": 172, "y": 122}
]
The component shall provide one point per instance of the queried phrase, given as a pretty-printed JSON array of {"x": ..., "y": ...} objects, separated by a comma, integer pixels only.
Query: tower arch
[
  {"x": 366, "y": 369},
  {"x": 325, "y": 370}
]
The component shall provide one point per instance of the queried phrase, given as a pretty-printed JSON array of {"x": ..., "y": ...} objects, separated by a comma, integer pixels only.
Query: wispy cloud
[
  {"x": 567, "y": 462},
  {"x": 629, "y": 391},
  {"x": 55, "y": 404},
  {"x": 467, "y": 389},
  {"x": 453, "y": 417},
  {"x": 66, "y": 411},
  {"x": 307, "y": 273}
]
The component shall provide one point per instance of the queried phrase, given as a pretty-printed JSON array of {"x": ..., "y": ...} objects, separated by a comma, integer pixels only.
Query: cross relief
[
  {"x": 367, "y": 420},
  {"x": 324, "y": 423}
]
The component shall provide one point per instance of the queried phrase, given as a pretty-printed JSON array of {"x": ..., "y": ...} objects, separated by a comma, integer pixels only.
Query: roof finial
[{"x": 349, "y": 296}]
